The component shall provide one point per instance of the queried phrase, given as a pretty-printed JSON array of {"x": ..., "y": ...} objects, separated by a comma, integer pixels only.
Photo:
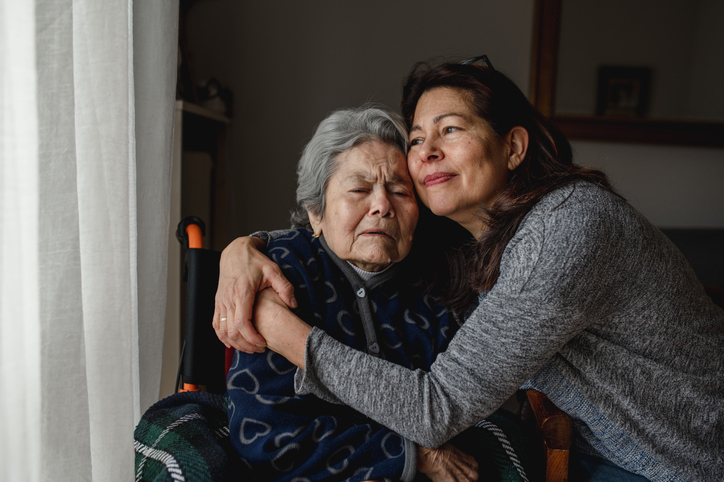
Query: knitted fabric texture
[
  {"x": 590, "y": 286},
  {"x": 283, "y": 436}
]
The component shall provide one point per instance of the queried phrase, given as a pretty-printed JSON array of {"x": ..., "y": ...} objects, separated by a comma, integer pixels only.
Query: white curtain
[{"x": 86, "y": 117}]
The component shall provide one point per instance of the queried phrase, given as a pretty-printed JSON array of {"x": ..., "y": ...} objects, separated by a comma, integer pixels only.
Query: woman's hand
[
  {"x": 285, "y": 332},
  {"x": 244, "y": 271},
  {"x": 446, "y": 464}
]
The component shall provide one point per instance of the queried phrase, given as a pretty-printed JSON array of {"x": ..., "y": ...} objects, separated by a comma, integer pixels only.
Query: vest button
[{"x": 361, "y": 292}]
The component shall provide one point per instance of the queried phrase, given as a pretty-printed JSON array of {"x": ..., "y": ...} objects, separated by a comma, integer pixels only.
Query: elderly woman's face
[
  {"x": 371, "y": 211},
  {"x": 456, "y": 160}
]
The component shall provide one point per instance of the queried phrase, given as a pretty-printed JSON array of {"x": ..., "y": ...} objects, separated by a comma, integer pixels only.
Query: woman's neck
[
  {"x": 366, "y": 275},
  {"x": 477, "y": 228},
  {"x": 473, "y": 222}
]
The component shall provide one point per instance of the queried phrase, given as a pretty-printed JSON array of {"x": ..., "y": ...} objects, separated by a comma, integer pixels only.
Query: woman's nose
[
  {"x": 429, "y": 150},
  {"x": 381, "y": 204}
]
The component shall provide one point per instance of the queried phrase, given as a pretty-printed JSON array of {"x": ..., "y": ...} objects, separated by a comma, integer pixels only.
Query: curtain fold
[
  {"x": 87, "y": 95},
  {"x": 19, "y": 274},
  {"x": 155, "y": 23}
]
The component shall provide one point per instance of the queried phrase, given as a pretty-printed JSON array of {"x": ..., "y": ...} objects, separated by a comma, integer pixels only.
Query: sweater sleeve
[
  {"x": 555, "y": 274},
  {"x": 283, "y": 436},
  {"x": 269, "y": 236}
]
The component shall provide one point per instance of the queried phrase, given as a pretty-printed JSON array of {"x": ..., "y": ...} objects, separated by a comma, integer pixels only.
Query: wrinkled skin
[
  {"x": 446, "y": 464},
  {"x": 236, "y": 294}
]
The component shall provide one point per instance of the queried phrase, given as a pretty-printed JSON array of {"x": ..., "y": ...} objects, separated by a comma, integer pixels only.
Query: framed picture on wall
[{"x": 623, "y": 91}]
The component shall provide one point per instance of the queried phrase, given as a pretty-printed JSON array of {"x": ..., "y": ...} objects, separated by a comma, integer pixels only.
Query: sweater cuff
[
  {"x": 269, "y": 236},
  {"x": 263, "y": 235},
  {"x": 305, "y": 381},
  {"x": 410, "y": 470}
]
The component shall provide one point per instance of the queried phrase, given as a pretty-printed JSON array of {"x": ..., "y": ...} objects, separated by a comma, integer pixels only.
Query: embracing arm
[
  {"x": 554, "y": 280},
  {"x": 284, "y": 436},
  {"x": 278, "y": 324},
  {"x": 243, "y": 271}
]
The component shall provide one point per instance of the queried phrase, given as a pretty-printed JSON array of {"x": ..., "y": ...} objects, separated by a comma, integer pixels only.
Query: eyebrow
[
  {"x": 393, "y": 179},
  {"x": 439, "y": 118}
]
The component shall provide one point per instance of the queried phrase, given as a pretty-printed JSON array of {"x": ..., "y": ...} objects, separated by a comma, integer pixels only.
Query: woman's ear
[
  {"x": 316, "y": 222},
  {"x": 517, "y": 140}
]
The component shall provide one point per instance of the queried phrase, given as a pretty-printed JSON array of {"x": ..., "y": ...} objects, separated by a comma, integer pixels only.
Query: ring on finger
[{"x": 223, "y": 319}]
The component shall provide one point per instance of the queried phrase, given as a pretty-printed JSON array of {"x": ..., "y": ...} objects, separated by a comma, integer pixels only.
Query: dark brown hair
[{"x": 470, "y": 266}]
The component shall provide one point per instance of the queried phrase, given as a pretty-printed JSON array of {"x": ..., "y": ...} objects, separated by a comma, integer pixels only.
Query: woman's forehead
[
  {"x": 442, "y": 101},
  {"x": 370, "y": 161},
  {"x": 371, "y": 177}
]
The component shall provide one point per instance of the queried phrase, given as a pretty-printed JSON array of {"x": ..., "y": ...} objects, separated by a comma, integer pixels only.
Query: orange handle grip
[{"x": 196, "y": 239}]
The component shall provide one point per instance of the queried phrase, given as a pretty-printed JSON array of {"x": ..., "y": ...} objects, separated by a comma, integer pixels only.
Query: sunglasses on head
[{"x": 481, "y": 58}]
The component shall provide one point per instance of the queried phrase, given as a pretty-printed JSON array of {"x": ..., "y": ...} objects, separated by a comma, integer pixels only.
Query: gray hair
[{"x": 340, "y": 131}]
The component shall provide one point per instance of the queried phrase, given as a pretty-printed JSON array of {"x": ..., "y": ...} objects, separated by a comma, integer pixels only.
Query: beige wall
[
  {"x": 290, "y": 63},
  {"x": 681, "y": 42},
  {"x": 673, "y": 186}
]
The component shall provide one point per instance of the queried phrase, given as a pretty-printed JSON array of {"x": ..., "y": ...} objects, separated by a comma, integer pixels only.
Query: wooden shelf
[
  {"x": 196, "y": 109},
  {"x": 653, "y": 131}
]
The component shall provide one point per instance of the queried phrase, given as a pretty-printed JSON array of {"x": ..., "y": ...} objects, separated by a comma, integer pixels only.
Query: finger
[
  {"x": 250, "y": 342},
  {"x": 467, "y": 467},
  {"x": 217, "y": 322},
  {"x": 242, "y": 314},
  {"x": 249, "y": 333},
  {"x": 242, "y": 345},
  {"x": 466, "y": 472},
  {"x": 234, "y": 338},
  {"x": 232, "y": 335},
  {"x": 242, "y": 324},
  {"x": 282, "y": 286}
]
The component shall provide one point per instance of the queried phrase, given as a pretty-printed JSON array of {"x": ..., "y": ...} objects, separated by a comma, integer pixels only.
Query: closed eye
[{"x": 363, "y": 189}]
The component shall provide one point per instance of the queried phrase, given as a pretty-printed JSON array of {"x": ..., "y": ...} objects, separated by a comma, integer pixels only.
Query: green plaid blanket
[
  {"x": 185, "y": 437},
  {"x": 503, "y": 448}
]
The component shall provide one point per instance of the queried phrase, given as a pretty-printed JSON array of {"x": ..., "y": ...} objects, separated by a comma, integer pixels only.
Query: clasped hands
[{"x": 263, "y": 294}]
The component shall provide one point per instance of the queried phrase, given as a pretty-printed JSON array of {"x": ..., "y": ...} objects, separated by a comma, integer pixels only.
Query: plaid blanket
[
  {"x": 185, "y": 437},
  {"x": 503, "y": 447}
]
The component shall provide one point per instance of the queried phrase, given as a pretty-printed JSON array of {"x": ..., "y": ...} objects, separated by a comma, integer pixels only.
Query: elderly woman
[
  {"x": 347, "y": 261},
  {"x": 581, "y": 298}
]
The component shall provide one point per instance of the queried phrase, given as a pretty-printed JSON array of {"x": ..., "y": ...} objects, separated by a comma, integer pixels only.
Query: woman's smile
[
  {"x": 438, "y": 178},
  {"x": 458, "y": 162}
]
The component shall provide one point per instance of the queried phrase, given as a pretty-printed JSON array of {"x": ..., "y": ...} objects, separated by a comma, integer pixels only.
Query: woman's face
[
  {"x": 456, "y": 160},
  {"x": 371, "y": 211}
]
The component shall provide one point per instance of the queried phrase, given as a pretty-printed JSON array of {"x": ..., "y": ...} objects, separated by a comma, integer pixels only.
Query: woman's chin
[
  {"x": 375, "y": 260},
  {"x": 442, "y": 210}
]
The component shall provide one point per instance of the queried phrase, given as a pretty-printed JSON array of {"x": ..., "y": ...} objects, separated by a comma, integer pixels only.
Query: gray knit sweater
[{"x": 590, "y": 290}]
